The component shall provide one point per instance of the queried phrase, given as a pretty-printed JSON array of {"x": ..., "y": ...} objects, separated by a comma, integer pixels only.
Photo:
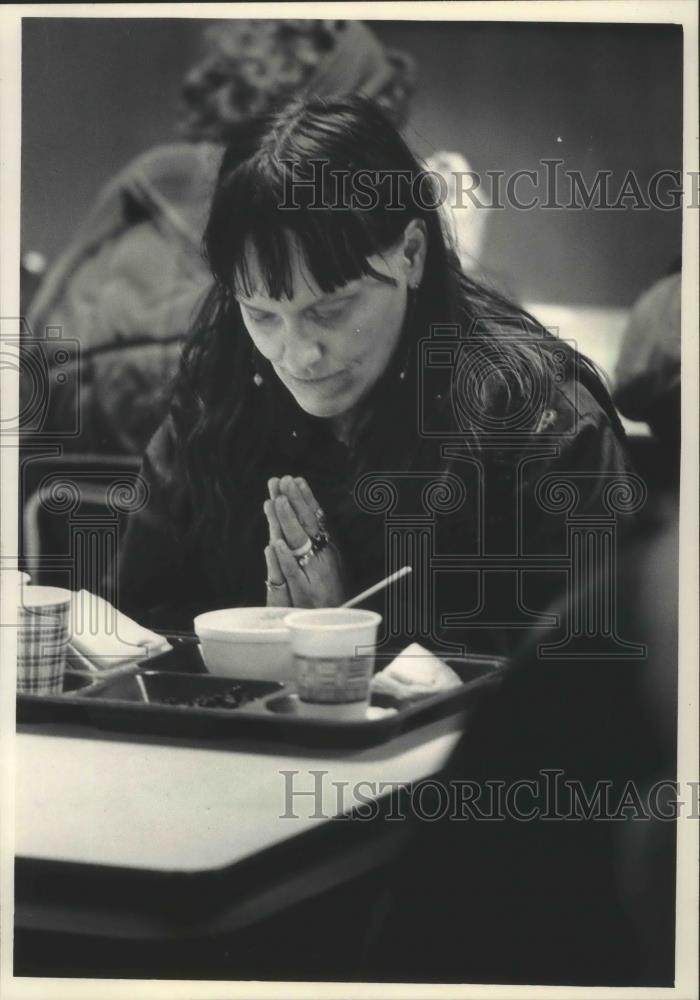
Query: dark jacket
[{"x": 476, "y": 535}]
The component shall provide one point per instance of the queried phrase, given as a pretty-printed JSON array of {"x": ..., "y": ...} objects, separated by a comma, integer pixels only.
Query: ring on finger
[
  {"x": 320, "y": 541},
  {"x": 303, "y": 549},
  {"x": 271, "y": 585},
  {"x": 306, "y": 558}
]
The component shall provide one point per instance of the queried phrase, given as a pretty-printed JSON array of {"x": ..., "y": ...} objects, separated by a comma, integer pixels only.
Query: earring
[{"x": 255, "y": 360}]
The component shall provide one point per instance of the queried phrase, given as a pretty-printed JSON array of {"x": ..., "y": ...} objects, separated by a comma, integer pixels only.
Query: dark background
[{"x": 98, "y": 91}]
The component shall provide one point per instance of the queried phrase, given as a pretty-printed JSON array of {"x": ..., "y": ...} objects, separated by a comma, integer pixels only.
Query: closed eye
[
  {"x": 326, "y": 314},
  {"x": 259, "y": 315}
]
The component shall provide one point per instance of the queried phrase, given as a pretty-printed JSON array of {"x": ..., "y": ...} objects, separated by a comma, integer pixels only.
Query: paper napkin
[
  {"x": 414, "y": 673},
  {"x": 105, "y": 637}
]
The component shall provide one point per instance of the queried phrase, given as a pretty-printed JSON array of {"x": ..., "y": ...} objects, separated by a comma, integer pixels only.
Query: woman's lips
[{"x": 321, "y": 380}]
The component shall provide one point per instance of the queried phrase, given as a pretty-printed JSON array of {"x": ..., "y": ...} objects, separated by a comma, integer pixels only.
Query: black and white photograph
[{"x": 350, "y": 499}]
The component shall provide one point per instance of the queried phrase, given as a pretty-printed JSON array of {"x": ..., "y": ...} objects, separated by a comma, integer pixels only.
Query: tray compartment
[
  {"x": 117, "y": 703},
  {"x": 181, "y": 690}
]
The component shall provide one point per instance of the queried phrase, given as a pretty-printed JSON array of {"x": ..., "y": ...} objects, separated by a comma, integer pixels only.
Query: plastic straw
[
  {"x": 142, "y": 688},
  {"x": 377, "y": 586}
]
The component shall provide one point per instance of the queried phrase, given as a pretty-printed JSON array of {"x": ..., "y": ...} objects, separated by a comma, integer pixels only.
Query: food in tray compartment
[
  {"x": 415, "y": 673},
  {"x": 233, "y": 697}
]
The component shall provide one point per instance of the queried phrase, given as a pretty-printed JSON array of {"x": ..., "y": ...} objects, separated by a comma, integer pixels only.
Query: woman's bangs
[{"x": 259, "y": 252}]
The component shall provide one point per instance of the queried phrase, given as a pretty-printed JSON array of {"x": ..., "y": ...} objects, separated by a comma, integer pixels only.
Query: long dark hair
[{"x": 227, "y": 426}]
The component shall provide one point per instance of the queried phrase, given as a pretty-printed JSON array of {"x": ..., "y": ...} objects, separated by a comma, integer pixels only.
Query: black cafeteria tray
[{"x": 267, "y": 711}]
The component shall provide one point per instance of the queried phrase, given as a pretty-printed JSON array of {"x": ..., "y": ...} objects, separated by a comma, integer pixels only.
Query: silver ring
[
  {"x": 320, "y": 541},
  {"x": 306, "y": 558},
  {"x": 321, "y": 518},
  {"x": 303, "y": 549},
  {"x": 275, "y": 586}
]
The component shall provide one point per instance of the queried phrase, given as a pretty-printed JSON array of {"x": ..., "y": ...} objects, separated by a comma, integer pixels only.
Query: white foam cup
[{"x": 333, "y": 650}]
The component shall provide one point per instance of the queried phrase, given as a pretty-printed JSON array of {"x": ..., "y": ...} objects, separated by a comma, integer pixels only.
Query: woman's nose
[{"x": 301, "y": 350}]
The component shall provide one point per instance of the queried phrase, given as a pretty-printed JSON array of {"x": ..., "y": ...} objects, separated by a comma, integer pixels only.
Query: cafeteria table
[{"x": 144, "y": 857}]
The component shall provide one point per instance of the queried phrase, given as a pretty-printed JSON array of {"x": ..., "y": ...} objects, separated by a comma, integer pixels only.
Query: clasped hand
[{"x": 294, "y": 517}]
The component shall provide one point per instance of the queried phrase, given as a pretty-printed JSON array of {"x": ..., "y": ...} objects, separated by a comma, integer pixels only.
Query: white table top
[{"x": 175, "y": 808}]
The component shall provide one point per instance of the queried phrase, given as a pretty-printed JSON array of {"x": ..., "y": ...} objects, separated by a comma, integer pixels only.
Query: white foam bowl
[{"x": 250, "y": 643}]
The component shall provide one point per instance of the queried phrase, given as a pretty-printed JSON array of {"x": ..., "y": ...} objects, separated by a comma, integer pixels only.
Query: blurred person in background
[
  {"x": 647, "y": 380},
  {"x": 465, "y": 218}
]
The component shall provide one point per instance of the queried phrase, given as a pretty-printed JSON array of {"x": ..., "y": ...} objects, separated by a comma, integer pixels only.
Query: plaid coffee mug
[{"x": 43, "y": 631}]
